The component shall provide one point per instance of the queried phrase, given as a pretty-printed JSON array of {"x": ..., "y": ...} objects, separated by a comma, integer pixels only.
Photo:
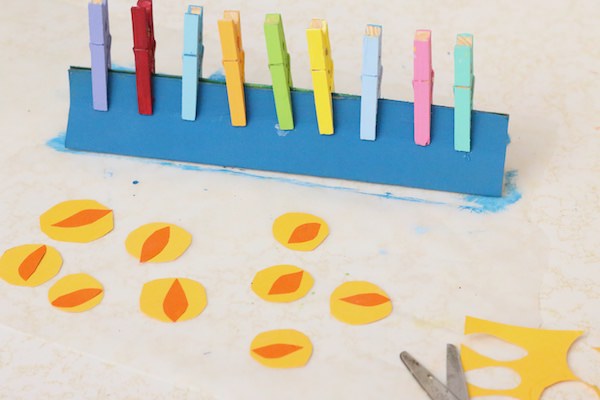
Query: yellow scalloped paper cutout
[
  {"x": 173, "y": 299},
  {"x": 282, "y": 348},
  {"x": 158, "y": 242},
  {"x": 282, "y": 283},
  {"x": 300, "y": 231},
  {"x": 30, "y": 264},
  {"x": 79, "y": 221},
  {"x": 544, "y": 365},
  {"x": 76, "y": 293},
  {"x": 359, "y": 302}
]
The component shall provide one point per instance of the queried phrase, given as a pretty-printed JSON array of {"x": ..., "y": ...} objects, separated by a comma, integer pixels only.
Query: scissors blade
[
  {"x": 455, "y": 375},
  {"x": 430, "y": 384}
]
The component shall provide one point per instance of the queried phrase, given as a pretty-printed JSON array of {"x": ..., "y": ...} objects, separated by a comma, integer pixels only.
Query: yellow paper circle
[
  {"x": 76, "y": 293},
  {"x": 173, "y": 299},
  {"x": 158, "y": 242},
  {"x": 283, "y": 348},
  {"x": 30, "y": 264},
  {"x": 282, "y": 283},
  {"x": 359, "y": 302},
  {"x": 78, "y": 221},
  {"x": 300, "y": 231}
]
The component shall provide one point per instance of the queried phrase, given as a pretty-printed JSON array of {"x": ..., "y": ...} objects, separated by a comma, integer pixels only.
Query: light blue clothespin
[
  {"x": 371, "y": 81},
  {"x": 193, "y": 51}
]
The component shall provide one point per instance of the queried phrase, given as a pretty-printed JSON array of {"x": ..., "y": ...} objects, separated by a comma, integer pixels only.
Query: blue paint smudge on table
[
  {"x": 476, "y": 204},
  {"x": 485, "y": 204}
]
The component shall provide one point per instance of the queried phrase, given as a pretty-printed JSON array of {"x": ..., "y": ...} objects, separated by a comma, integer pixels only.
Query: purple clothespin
[{"x": 100, "y": 41}]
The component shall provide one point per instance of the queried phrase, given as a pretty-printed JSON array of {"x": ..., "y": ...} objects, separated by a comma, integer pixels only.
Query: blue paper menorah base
[{"x": 391, "y": 159}]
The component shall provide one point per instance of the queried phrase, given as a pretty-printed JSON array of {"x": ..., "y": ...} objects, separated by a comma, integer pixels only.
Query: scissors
[{"x": 456, "y": 385}]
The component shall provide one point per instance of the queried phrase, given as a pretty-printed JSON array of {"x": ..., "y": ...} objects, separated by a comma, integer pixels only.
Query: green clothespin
[
  {"x": 463, "y": 91},
  {"x": 279, "y": 65}
]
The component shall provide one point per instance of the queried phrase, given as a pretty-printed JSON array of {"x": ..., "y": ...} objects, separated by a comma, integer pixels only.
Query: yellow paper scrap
[{"x": 544, "y": 365}]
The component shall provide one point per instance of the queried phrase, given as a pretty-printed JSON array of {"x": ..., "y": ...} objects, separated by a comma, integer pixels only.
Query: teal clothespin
[
  {"x": 193, "y": 52},
  {"x": 371, "y": 81},
  {"x": 463, "y": 91},
  {"x": 279, "y": 65}
]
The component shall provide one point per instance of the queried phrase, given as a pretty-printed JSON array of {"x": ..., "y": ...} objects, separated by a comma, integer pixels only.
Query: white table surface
[{"x": 532, "y": 258}]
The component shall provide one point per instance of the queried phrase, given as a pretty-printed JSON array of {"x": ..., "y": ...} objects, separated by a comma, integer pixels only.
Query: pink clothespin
[{"x": 423, "y": 87}]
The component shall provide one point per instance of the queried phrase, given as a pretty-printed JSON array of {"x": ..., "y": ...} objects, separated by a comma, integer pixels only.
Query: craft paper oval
[
  {"x": 76, "y": 293},
  {"x": 79, "y": 221},
  {"x": 30, "y": 264},
  {"x": 359, "y": 302},
  {"x": 158, "y": 242},
  {"x": 282, "y": 348},
  {"x": 173, "y": 299},
  {"x": 282, "y": 283},
  {"x": 300, "y": 231}
]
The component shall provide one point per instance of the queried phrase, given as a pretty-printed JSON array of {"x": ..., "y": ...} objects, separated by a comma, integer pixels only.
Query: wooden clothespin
[
  {"x": 279, "y": 66},
  {"x": 100, "y": 42},
  {"x": 144, "y": 47},
  {"x": 371, "y": 82},
  {"x": 423, "y": 87},
  {"x": 193, "y": 52},
  {"x": 463, "y": 91},
  {"x": 230, "y": 32},
  {"x": 321, "y": 65}
]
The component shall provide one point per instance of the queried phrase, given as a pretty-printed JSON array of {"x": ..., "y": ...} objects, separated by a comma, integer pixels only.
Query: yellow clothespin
[
  {"x": 233, "y": 62},
  {"x": 321, "y": 65}
]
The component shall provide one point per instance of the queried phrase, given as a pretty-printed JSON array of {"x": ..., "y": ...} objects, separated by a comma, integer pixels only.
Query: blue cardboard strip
[{"x": 392, "y": 159}]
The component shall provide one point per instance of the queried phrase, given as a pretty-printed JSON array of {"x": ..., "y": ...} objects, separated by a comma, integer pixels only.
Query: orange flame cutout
[
  {"x": 76, "y": 298},
  {"x": 288, "y": 283},
  {"x": 155, "y": 244},
  {"x": 82, "y": 218},
  {"x": 31, "y": 263},
  {"x": 175, "y": 303},
  {"x": 366, "y": 299},
  {"x": 305, "y": 232},
  {"x": 276, "y": 350}
]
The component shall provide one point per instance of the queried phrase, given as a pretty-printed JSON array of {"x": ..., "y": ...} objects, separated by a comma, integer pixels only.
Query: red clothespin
[{"x": 144, "y": 46}]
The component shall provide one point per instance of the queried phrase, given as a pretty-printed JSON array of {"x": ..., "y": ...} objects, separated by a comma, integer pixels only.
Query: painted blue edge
[{"x": 391, "y": 159}]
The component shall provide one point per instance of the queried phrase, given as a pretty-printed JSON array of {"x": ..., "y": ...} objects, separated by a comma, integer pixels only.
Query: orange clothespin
[{"x": 233, "y": 63}]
